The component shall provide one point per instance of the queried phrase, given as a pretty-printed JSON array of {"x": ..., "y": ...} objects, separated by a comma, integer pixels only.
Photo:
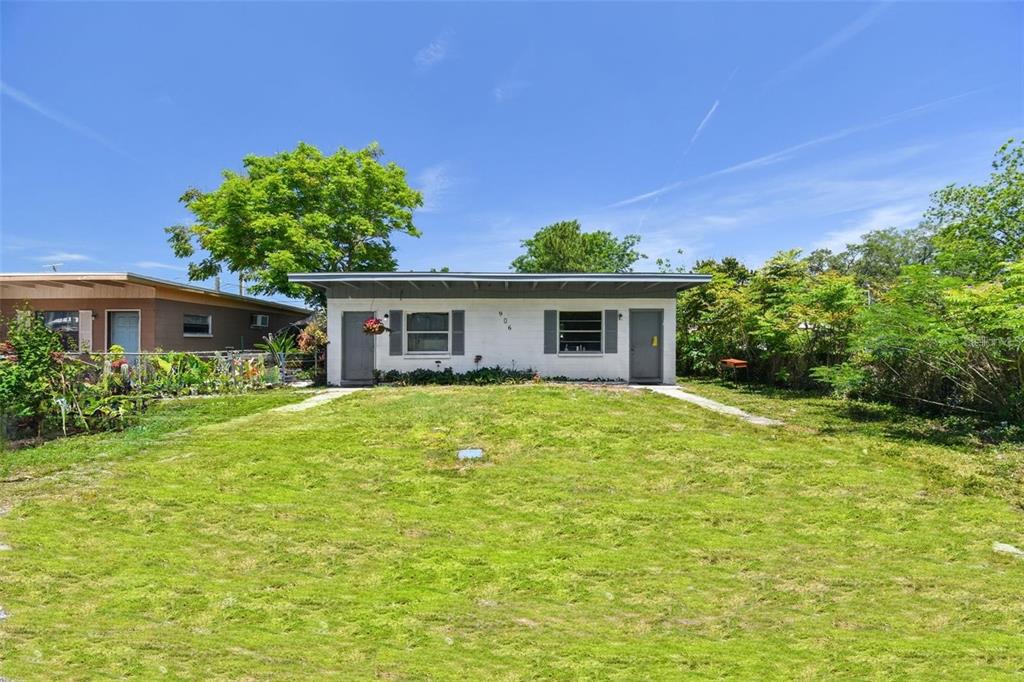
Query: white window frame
[
  {"x": 259, "y": 326},
  {"x": 107, "y": 330},
  {"x": 209, "y": 318},
  {"x": 426, "y": 353},
  {"x": 578, "y": 353}
]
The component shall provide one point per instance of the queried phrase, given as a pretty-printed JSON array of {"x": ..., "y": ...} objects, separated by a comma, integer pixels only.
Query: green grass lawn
[{"x": 607, "y": 534}]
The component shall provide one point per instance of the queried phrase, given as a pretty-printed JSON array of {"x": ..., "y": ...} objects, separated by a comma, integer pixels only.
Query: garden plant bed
[{"x": 606, "y": 534}]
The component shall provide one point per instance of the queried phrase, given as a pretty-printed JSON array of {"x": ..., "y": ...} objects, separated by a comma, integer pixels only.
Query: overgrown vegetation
[
  {"x": 607, "y": 534},
  {"x": 931, "y": 318},
  {"x": 47, "y": 390}
]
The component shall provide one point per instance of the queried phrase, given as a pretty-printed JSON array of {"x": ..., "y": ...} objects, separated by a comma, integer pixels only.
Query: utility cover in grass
[{"x": 471, "y": 453}]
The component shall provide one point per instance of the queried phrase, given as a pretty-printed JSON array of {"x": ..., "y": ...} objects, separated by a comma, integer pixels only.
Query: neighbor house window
[
  {"x": 426, "y": 332},
  {"x": 198, "y": 325},
  {"x": 579, "y": 332},
  {"x": 257, "y": 321},
  {"x": 65, "y": 323}
]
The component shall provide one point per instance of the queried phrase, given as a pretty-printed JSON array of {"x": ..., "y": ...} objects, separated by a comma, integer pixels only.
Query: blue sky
[{"x": 720, "y": 129}]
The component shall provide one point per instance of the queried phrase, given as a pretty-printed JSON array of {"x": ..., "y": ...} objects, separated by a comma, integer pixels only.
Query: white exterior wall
[{"x": 521, "y": 347}]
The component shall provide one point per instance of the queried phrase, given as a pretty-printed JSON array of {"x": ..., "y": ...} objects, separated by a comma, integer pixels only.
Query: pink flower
[{"x": 374, "y": 325}]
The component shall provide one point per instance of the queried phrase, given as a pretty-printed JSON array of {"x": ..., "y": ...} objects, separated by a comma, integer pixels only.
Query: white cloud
[
  {"x": 12, "y": 243},
  {"x": 62, "y": 257},
  {"x": 157, "y": 265},
  {"x": 58, "y": 118},
  {"x": 435, "y": 52},
  {"x": 435, "y": 182},
  {"x": 900, "y": 216},
  {"x": 509, "y": 89},
  {"x": 825, "y": 204},
  {"x": 836, "y": 40},
  {"x": 789, "y": 152},
  {"x": 830, "y": 201}
]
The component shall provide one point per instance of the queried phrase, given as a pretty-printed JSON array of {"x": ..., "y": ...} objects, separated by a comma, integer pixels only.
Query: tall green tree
[
  {"x": 877, "y": 259},
  {"x": 783, "y": 318},
  {"x": 715, "y": 320},
  {"x": 297, "y": 211},
  {"x": 980, "y": 228},
  {"x": 825, "y": 260},
  {"x": 565, "y": 247}
]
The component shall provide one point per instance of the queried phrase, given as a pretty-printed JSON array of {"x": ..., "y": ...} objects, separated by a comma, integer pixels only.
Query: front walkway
[
  {"x": 328, "y": 394},
  {"x": 713, "y": 405},
  {"x": 319, "y": 398}
]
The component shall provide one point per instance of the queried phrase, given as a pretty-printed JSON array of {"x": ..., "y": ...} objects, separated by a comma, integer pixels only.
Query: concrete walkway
[
  {"x": 713, "y": 405},
  {"x": 318, "y": 398}
]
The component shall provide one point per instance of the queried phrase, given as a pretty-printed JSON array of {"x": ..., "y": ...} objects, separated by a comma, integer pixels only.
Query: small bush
[
  {"x": 476, "y": 377},
  {"x": 447, "y": 377},
  {"x": 31, "y": 368}
]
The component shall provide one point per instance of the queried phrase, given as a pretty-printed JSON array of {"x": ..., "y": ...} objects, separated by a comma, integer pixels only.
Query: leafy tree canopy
[
  {"x": 729, "y": 267},
  {"x": 980, "y": 228},
  {"x": 564, "y": 247},
  {"x": 298, "y": 211},
  {"x": 875, "y": 261}
]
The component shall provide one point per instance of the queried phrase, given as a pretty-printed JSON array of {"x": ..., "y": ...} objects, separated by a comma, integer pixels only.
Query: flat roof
[
  {"x": 133, "y": 278},
  {"x": 681, "y": 278}
]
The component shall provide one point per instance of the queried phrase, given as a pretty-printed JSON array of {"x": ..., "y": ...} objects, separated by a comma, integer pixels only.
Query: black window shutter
[
  {"x": 550, "y": 332},
  {"x": 458, "y": 332},
  {"x": 395, "y": 321},
  {"x": 611, "y": 331}
]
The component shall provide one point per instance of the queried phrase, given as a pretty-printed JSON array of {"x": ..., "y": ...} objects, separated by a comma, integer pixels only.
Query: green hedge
[{"x": 475, "y": 377}]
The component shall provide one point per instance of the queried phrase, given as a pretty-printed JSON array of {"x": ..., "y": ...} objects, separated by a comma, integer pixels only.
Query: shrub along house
[
  {"x": 580, "y": 326},
  {"x": 97, "y": 310}
]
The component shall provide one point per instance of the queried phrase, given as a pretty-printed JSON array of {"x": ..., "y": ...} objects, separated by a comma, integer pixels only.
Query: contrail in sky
[
  {"x": 786, "y": 153},
  {"x": 58, "y": 118}
]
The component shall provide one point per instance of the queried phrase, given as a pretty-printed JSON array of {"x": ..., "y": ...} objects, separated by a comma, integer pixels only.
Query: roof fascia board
[
  {"x": 627, "y": 278},
  {"x": 123, "y": 279}
]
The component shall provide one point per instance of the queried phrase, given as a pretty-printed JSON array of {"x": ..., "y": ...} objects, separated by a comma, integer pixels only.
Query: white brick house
[{"x": 581, "y": 326}]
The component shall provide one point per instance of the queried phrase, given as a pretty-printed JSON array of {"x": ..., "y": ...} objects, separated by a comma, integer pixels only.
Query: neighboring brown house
[{"x": 97, "y": 310}]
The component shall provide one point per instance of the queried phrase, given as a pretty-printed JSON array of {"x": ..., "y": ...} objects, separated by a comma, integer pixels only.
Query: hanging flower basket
[{"x": 374, "y": 326}]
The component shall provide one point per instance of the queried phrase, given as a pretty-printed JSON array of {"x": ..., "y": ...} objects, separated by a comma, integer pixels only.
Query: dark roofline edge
[{"x": 640, "y": 277}]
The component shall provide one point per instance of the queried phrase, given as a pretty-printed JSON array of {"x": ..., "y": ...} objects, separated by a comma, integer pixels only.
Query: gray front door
[
  {"x": 356, "y": 349},
  {"x": 645, "y": 346},
  {"x": 123, "y": 330}
]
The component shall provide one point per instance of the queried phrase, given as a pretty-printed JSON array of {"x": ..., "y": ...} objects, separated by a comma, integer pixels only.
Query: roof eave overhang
[
  {"x": 123, "y": 278},
  {"x": 321, "y": 280}
]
